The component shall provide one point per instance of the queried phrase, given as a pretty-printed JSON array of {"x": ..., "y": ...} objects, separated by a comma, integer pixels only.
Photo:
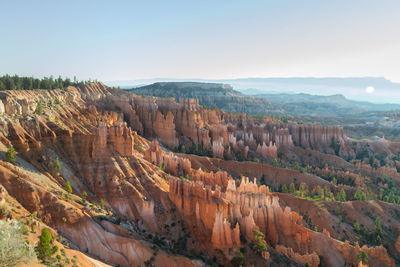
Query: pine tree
[
  {"x": 292, "y": 188},
  {"x": 378, "y": 225},
  {"x": 43, "y": 248},
  {"x": 84, "y": 195},
  {"x": 356, "y": 227},
  {"x": 57, "y": 166},
  {"x": 363, "y": 256},
  {"x": 360, "y": 195},
  {"x": 259, "y": 245},
  {"x": 341, "y": 196},
  {"x": 39, "y": 107},
  {"x": 284, "y": 188},
  {"x": 10, "y": 155},
  {"x": 2, "y": 85},
  {"x": 68, "y": 187},
  {"x": 319, "y": 192}
]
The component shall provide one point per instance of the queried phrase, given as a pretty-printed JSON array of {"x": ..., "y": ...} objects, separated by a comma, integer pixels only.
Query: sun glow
[{"x": 369, "y": 90}]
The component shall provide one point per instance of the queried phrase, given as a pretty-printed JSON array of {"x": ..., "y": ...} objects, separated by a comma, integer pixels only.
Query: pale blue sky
[{"x": 212, "y": 39}]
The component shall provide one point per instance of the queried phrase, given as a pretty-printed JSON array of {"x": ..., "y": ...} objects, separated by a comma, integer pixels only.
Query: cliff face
[
  {"x": 226, "y": 135},
  {"x": 98, "y": 154},
  {"x": 157, "y": 203},
  {"x": 223, "y": 216}
]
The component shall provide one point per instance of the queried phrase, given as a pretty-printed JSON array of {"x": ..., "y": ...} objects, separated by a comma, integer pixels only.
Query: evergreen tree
[
  {"x": 259, "y": 245},
  {"x": 356, "y": 227},
  {"x": 39, "y": 107},
  {"x": 57, "y": 166},
  {"x": 284, "y": 188},
  {"x": 292, "y": 188},
  {"x": 28, "y": 83},
  {"x": 362, "y": 256},
  {"x": 301, "y": 188},
  {"x": 43, "y": 248},
  {"x": 319, "y": 192},
  {"x": 68, "y": 187},
  {"x": 360, "y": 195},
  {"x": 183, "y": 149},
  {"x": 378, "y": 225},
  {"x": 10, "y": 155},
  {"x": 2, "y": 85},
  {"x": 341, "y": 196}
]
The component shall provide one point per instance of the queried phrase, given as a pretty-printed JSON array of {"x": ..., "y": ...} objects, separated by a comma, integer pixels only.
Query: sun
[{"x": 369, "y": 90}]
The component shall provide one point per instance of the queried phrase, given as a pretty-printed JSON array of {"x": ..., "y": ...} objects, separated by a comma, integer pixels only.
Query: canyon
[{"x": 173, "y": 183}]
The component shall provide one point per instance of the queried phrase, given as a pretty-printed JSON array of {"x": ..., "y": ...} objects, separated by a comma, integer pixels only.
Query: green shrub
[
  {"x": 54, "y": 249},
  {"x": 14, "y": 248},
  {"x": 4, "y": 210},
  {"x": 238, "y": 258}
]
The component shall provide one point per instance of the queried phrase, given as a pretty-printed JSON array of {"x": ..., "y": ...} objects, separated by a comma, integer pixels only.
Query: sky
[{"x": 209, "y": 39}]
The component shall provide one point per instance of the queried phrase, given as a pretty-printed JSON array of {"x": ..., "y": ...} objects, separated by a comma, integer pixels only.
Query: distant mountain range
[
  {"x": 223, "y": 96},
  {"x": 352, "y": 88}
]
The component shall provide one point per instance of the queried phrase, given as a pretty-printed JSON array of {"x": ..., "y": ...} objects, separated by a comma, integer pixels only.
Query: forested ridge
[{"x": 16, "y": 82}]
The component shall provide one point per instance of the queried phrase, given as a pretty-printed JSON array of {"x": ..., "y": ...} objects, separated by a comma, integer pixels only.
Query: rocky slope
[{"x": 145, "y": 205}]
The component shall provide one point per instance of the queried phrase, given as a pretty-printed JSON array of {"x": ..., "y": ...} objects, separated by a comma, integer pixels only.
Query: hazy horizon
[
  {"x": 371, "y": 89},
  {"x": 224, "y": 39}
]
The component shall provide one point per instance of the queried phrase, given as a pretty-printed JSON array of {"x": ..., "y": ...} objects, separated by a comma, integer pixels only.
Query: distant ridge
[
  {"x": 223, "y": 96},
  {"x": 187, "y": 89},
  {"x": 352, "y": 88}
]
